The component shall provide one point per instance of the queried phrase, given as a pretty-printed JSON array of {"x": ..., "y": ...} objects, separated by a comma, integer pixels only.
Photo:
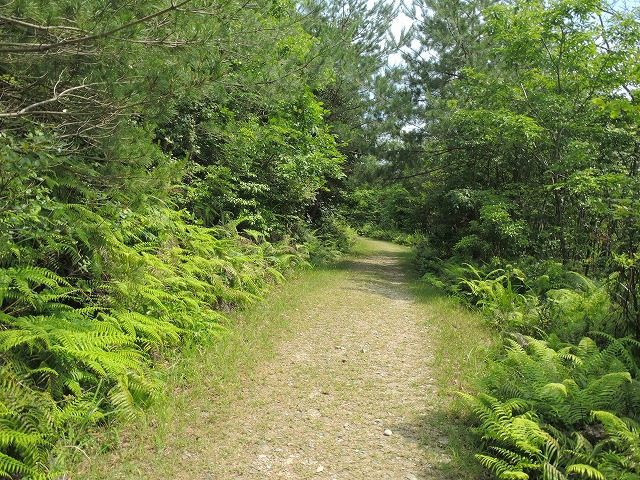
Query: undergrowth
[
  {"x": 561, "y": 411},
  {"x": 561, "y": 399},
  {"x": 91, "y": 295},
  {"x": 75, "y": 354}
]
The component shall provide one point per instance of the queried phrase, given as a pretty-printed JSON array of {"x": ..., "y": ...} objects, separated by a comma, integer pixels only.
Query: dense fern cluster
[
  {"x": 88, "y": 298},
  {"x": 560, "y": 408},
  {"x": 561, "y": 399},
  {"x": 556, "y": 411},
  {"x": 526, "y": 298}
]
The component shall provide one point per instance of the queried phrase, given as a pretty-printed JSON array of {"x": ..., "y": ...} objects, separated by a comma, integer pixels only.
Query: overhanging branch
[
  {"x": 431, "y": 153},
  {"x": 36, "y": 48}
]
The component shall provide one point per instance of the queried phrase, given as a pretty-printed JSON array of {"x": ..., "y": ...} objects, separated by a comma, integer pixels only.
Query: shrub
[{"x": 503, "y": 298}]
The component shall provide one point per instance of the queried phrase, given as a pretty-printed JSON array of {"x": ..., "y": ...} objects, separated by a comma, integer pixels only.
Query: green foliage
[
  {"x": 332, "y": 238},
  {"x": 556, "y": 411},
  {"x": 522, "y": 140},
  {"x": 619, "y": 457},
  {"x": 537, "y": 397},
  {"x": 576, "y": 311},
  {"x": 83, "y": 354},
  {"x": 530, "y": 298},
  {"x": 26, "y": 417},
  {"x": 267, "y": 167},
  {"x": 90, "y": 293},
  {"x": 498, "y": 293}
]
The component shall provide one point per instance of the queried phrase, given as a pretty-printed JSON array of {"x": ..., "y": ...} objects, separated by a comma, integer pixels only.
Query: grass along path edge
[{"x": 204, "y": 382}]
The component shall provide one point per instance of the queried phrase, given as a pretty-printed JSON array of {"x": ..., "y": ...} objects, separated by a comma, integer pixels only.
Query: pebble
[
  {"x": 411, "y": 476},
  {"x": 320, "y": 469},
  {"x": 443, "y": 442},
  {"x": 388, "y": 432}
]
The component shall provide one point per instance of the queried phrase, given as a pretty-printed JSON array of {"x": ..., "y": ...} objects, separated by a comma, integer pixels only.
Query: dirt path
[
  {"x": 343, "y": 397},
  {"x": 358, "y": 367}
]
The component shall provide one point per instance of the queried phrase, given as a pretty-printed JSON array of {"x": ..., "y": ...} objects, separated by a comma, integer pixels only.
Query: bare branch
[
  {"x": 30, "y": 110},
  {"x": 47, "y": 28},
  {"x": 431, "y": 153},
  {"x": 414, "y": 175}
]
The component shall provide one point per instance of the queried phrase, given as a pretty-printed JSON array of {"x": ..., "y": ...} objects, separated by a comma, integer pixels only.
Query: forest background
[{"x": 163, "y": 162}]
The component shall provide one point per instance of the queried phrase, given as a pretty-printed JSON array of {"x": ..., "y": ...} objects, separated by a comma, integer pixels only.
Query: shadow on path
[{"x": 383, "y": 272}]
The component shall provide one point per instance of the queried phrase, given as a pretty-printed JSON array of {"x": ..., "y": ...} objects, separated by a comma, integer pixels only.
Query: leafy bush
[
  {"x": 472, "y": 246},
  {"x": 425, "y": 255},
  {"x": 574, "y": 312},
  {"x": 334, "y": 232},
  {"x": 389, "y": 235}
]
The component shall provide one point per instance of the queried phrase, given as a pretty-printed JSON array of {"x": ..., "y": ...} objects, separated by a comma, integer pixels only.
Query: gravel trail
[{"x": 343, "y": 397}]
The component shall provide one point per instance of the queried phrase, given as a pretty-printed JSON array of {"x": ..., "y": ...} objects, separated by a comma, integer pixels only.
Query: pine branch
[{"x": 35, "y": 48}]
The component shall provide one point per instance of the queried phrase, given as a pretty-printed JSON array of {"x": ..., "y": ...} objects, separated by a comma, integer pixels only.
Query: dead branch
[
  {"x": 33, "y": 108},
  {"x": 45, "y": 28}
]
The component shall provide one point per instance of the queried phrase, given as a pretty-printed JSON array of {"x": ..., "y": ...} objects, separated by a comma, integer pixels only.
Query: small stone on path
[{"x": 388, "y": 432}]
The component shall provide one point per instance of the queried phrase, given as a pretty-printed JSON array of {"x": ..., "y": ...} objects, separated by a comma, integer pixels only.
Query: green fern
[
  {"x": 501, "y": 468},
  {"x": 618, "y": 455},
  {"x": 26, "y": 418},
  {"x": 585, "y": 471},
  {"x": 499, "y": 298},
  {"x": 558, "y": 394}
]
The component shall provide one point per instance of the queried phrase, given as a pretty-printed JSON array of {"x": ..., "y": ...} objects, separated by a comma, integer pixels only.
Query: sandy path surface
[{"x": 342, "y": 398}]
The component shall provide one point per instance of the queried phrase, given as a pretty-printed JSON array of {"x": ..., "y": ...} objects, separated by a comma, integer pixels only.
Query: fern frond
[
  {"x": 551, "y": 472},
  {"x": 148, "y": 330},
  {"x": 513, "y": 475},
  {"x": 585, "y": 471},
  {"x": 515, "y": 458},
  {"x": 27, "y": 416},
  {"x": 498, "y": 466},
  {"x": 587, "y": 348},
  {"x": 527, "y": 435},
  {"x": 618, "y": 429},
  {"x": 554, "y": 390},
  {"x": 9, "y": 467},
  {"x": 128, "y": 394}
]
